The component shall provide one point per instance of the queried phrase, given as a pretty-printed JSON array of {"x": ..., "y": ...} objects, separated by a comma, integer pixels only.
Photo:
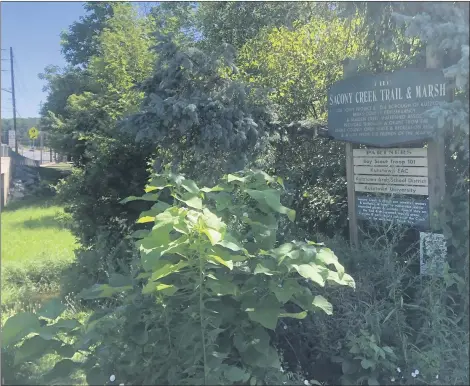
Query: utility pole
[
  {"x": 42, "y": 144},
  {"x": 13, "y": 98}
]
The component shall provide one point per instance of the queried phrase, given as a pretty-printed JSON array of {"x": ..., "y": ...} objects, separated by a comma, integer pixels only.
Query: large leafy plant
[{"x": 220, "y": 282}]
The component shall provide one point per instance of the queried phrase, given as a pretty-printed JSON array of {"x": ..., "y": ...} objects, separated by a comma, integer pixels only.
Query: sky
[{"x": 33, "y": 30}]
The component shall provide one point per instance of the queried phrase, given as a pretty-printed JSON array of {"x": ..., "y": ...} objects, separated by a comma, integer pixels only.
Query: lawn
[
  {"x": 36, "y": 247},
  {"x": 34, "y": 232}
]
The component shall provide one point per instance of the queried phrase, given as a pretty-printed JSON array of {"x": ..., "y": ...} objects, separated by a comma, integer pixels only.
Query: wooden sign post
[{"x": 383, "y": 112}]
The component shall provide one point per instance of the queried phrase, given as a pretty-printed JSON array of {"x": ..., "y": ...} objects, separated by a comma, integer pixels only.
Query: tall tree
[{"x": 80, "y": 42}]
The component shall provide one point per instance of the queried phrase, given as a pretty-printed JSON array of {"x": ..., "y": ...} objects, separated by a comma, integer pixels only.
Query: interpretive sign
[
  {"x": 413, "y": 212},
  {"x": 387, "y": 109},
  {"x": 433, "y": 252}
]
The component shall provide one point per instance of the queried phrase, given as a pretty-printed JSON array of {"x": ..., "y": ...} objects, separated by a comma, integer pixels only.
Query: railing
[{"x": 18, "y": 160}]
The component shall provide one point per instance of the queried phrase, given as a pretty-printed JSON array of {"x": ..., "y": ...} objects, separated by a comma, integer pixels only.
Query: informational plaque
[
  {"x": 413, "y": 212},
  {"x": 387, "y": 109}
]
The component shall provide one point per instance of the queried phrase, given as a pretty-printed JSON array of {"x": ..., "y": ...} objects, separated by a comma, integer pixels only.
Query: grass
[{"x": 36, "y": 247}]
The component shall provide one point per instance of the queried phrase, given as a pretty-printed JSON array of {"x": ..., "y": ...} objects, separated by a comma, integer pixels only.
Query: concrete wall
[{"x": 6, "y": 178}]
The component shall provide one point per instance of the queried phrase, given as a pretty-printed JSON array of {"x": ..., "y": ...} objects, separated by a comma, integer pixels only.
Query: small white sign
[
  {"x": 387, "y": 161},
  {"x": 390, "y": 180},
  {"x": 393, "y": 152},
  {"x": 11, "y": 138},
  {"x": 392, "y": 189},
  {"x": 392, "y": 170},
  {"x": 432, "y": 253}
]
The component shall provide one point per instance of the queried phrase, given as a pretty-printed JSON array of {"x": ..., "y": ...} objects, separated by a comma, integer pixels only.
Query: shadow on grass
[
  {"x": 43, "y": 222},
  {"x": 29, "y": 202}
]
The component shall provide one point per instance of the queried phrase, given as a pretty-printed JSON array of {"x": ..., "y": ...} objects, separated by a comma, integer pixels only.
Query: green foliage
[
  {"x": 300, "y": 63},
  {"x": 237, "y": 22},
  {"x": 27, "y": 337},
  {"x": 79, "y": 43},
  {"x": 365, "y": 359},
  {"x": 216, "y": 291},
  {"x": 392, "y": 306},
  {"x": 199, "y": 118}
]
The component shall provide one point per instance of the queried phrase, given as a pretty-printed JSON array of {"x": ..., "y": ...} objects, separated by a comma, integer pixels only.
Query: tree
[
  {"x": 236, "y": 22},
  {"x": 197, "y": 115},
  {"x": 80, "y": 43}
]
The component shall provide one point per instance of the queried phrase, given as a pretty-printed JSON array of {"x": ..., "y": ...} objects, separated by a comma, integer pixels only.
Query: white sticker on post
[{"x": 432, "y": 253}]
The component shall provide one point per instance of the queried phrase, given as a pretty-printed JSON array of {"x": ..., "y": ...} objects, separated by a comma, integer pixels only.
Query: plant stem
[{"x": 201, "y": 309}]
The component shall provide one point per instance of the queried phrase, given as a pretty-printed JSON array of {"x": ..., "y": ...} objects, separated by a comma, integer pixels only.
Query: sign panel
[
  {"x": 11, "y": 138},
  {"x": 392, "y": 170},
  {"x": 397, "y": 161},
  {"x": 392, "y": 189},
  {"x": 395, "y": 152},
  {"x": 33, "y": 133},
  {"x": 399, "y": 210},
  {"x": 388, "y": 180},
  {"x": 432, "y": 253},
  {"x": 387, "y": 109}
]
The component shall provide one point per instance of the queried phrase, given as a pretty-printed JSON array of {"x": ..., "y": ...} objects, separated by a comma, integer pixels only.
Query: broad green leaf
[
  {"x": 230, "y": 242},
  {"x": 221, "y": 288},
  {"x": 298, "y": 315},
  {"x": 285, "y": 292},
  {"x": 140, "y": 334},
  {"x": 271, "y": 198},
  {"x": 61, "y": 370},
  {"x": 165, "y": 289},
  {"x": 193, "y": 202},
  {"x": 66, "y": 350},
  {"x": 145, "y": 219},
  {"x": 150, "y": 258},
  {"x": 220, "y": 260},
  {"x": 102, "y": 291},
  {"x": 233, "y": 177},
  {"x": 222, "y": 200},
  {"x": 312, "y": 272},
  {"x": 157, "y": 183},
  {"x": 327, "y": 257},
  {"x": 96, "y": 376},
  {"x": 266, "y": 313},
  {"x": 66, "y": 324},
  {"x": 145, "y": 197},
  {"x": 345, "y": 279},
  {"x": 236, "y": 375},
  {"x": 213, "y": 235},
  {"x": 32, "y": 347},
  {"x": 261, "y": 269},
  {"x": 190, "y": 186},
  {"x": 118, "y": 280},
  {"x": 18, "y": 326},
  {"x": 165, "y": 269},
  {"x": 320, "y": 302},
  {"x": 51, "y": 309}
]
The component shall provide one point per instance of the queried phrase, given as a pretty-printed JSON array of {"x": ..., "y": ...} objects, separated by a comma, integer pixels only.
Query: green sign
[
  {"x": 33, "y": 133},
  {"x": 387, "y": 109}
]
